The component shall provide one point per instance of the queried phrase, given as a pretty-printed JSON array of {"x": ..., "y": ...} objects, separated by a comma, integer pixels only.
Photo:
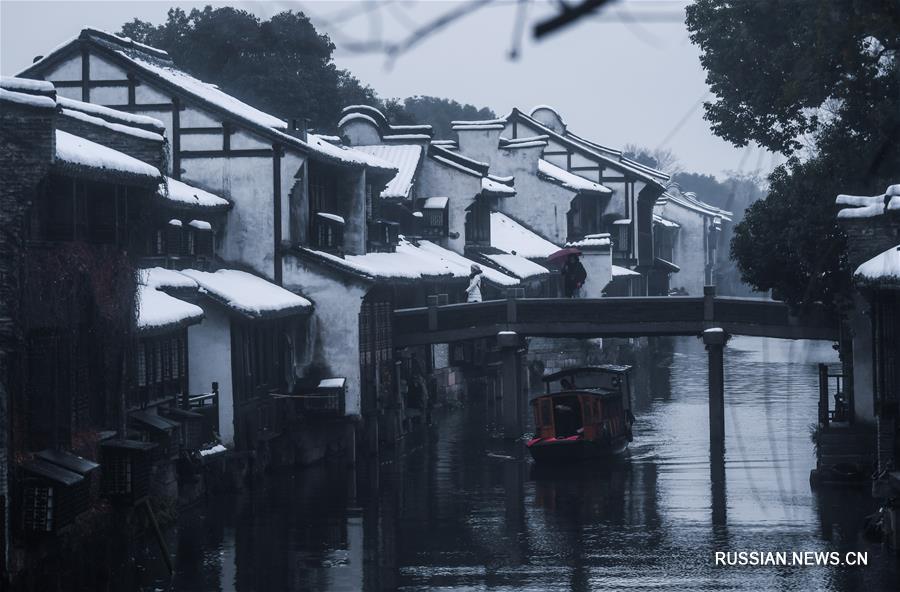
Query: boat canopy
[
  {"x": 576, "y": 370},
  {"x": 601, "y": 393}
]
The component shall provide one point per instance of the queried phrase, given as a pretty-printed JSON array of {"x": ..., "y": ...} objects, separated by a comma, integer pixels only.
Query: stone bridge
[{"x": 712, "y": 317}]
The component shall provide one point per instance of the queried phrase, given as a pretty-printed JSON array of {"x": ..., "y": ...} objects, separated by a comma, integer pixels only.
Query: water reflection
[{"x": 460, "y": 510}]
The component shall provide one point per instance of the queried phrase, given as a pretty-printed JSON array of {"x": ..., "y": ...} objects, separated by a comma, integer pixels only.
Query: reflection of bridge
[{"x": 614, "y": 317}]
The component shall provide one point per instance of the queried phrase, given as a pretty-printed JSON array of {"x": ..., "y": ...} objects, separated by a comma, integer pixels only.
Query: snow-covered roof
[
  {"x": 156, "y": 65},
  {"x": 591, "y": 240},
  {"x": 343, "y": 153},
  {"x": 158, "y": 310},
  {"x": 160, "y": 277},
  {"x": 332, "y": 217},
  {"x": 405, "y": 158},
  {"x": 664, "y": 222},
  {"x": 82, "y": 153},
  {"x": 332, "y": 382},
  {"x": 612, "y": 159},
  {"x": 489, "y": 185},
  {"x": 409, "y": 262},
  {"x": 26, "y": 85},
  {"x": 490, "y": 274},
  {"x": 518, "y": 265},
  {"x": 475, "y": 126},
  {"x": 863, "y": 206},
  {"x": 570, "y": 180},
  {"x": 690, "y": 201},
  {"x": 882, "y": 269},
  {"x": 458, "y": 161},
  {"x": 435, "y": 202},
  {"x": 115, "y": 127},
  {"x": 182, "y": 194},
  {"x": 619, "y": 271},
  {"x": 510, "y": 236},
  {"x": 499, "y": 120},
  {"x": 526, "y": 142},
  {"x": 406, "y": 137},
  {"x": 248, "y": 294},
  {"x": 209, "y": 93},
  {"x": 132, "y": 119},
  {"x": 26, "y": 99}
]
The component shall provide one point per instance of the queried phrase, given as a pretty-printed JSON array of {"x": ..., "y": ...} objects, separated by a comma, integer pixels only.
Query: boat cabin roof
[{"x": 596, "y": 369}]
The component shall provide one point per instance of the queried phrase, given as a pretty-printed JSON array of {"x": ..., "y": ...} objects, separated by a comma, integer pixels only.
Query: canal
[{"x": 462, "y": 510}]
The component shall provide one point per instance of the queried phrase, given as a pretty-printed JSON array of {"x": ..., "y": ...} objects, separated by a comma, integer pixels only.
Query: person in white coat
[{"x": 473, "y": 292}]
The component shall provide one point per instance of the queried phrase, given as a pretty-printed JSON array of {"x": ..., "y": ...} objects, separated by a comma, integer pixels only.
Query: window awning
[
  {"x": 67, "y": 460},
  {"x": 665, "y": 265},
  {"x": 51, "y": 472},
  {"x": 154, "y": 421}
]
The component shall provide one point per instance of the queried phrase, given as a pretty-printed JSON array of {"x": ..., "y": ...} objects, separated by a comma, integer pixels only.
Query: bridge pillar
[
  {"x": 512, "y": 396},
  {"x": 715, "y": 339}
]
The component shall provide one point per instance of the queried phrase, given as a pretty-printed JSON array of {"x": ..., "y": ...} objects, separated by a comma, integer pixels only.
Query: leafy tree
[
  {"x": 283, "y": 65},
  {"x": 440, "y": 112},
  {"x": 661, "y": 159},
  {"x": 812, "y": 79}
]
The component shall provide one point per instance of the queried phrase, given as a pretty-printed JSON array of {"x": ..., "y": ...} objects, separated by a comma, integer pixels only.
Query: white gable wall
[
  {"x": 436, "y": 179},
  {"x": 336, "y": 327},
  {"x": 361, "y": 132},
  {"x": 209, "y": 352}
]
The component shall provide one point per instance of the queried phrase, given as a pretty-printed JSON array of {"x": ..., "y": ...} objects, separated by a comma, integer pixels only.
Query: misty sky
[{"x": 628, "y": 76}]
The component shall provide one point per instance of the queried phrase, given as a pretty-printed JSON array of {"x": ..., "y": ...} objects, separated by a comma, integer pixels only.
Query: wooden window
[
  {"x": 478, "y": 223},
  {"x": 260, "y": 355},
  {"x": 159, "y": 369},
  {"x": 75, "y": 209},
  {"x": 435, "y": 223},
  {"x": 370, "y": 211}
]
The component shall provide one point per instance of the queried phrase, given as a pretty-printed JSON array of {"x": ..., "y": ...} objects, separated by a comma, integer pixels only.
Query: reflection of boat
[{"x": 587, "y": 415}]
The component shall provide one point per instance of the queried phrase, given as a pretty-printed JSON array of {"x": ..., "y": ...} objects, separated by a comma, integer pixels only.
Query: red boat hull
[{"x": 551, "y": 450}]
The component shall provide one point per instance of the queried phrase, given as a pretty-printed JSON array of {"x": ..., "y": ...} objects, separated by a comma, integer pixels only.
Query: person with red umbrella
[{"x": 574, "y": 275}]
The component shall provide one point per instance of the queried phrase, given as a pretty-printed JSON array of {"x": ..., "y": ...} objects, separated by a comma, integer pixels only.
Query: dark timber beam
[
  {"x": 512, "y": 403},
  {"x": 715, "y": 339}
]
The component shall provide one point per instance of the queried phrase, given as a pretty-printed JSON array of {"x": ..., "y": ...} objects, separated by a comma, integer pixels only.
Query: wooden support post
[
  {"x": 715, "y": 339},
  {"x": 511, "y": 405},
  {"x": 432, "y": 312},
  {"x": 709, "y": 305},
  {"x": 823, "y": 396},
  {"x": 510, "y": 307}
]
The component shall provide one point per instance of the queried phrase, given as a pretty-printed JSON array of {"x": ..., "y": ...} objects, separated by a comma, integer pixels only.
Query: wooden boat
[{"x": 586, "y": 413}]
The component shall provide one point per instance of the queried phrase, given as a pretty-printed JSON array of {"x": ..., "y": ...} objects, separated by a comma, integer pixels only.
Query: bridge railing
[{"x": 650, "y": 315}]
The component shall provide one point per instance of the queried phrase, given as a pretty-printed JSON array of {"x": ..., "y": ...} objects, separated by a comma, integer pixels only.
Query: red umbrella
[{"x": 563, "y": 254}]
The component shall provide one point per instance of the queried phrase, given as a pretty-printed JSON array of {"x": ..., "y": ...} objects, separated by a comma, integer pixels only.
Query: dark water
[{"x": 460, "y": 510}]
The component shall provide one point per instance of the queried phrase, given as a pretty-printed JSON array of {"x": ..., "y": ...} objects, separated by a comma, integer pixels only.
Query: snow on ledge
[
  {"x": 157, "y": 309},
  {"x": 246, "y": 293},
  {"x": 570, "y": 180},
  {"x": 79, "y": 151},
  {"x": 518, "y": 265},
  {"x": 864, "y": 206},
  {"x": 491, "y": 186},
  {"x": 116, "y": 127},
  {"x": 883, "y": 268},
  {"x": 510, "y": 236},
  {"x": 26, "y": 99},
  {"x": 182, "y": 193}
]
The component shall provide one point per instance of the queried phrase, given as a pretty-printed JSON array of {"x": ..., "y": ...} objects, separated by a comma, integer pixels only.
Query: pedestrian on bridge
[
  {"x": 574, "y": 275},
  {"x": 473, "y": 292}
]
